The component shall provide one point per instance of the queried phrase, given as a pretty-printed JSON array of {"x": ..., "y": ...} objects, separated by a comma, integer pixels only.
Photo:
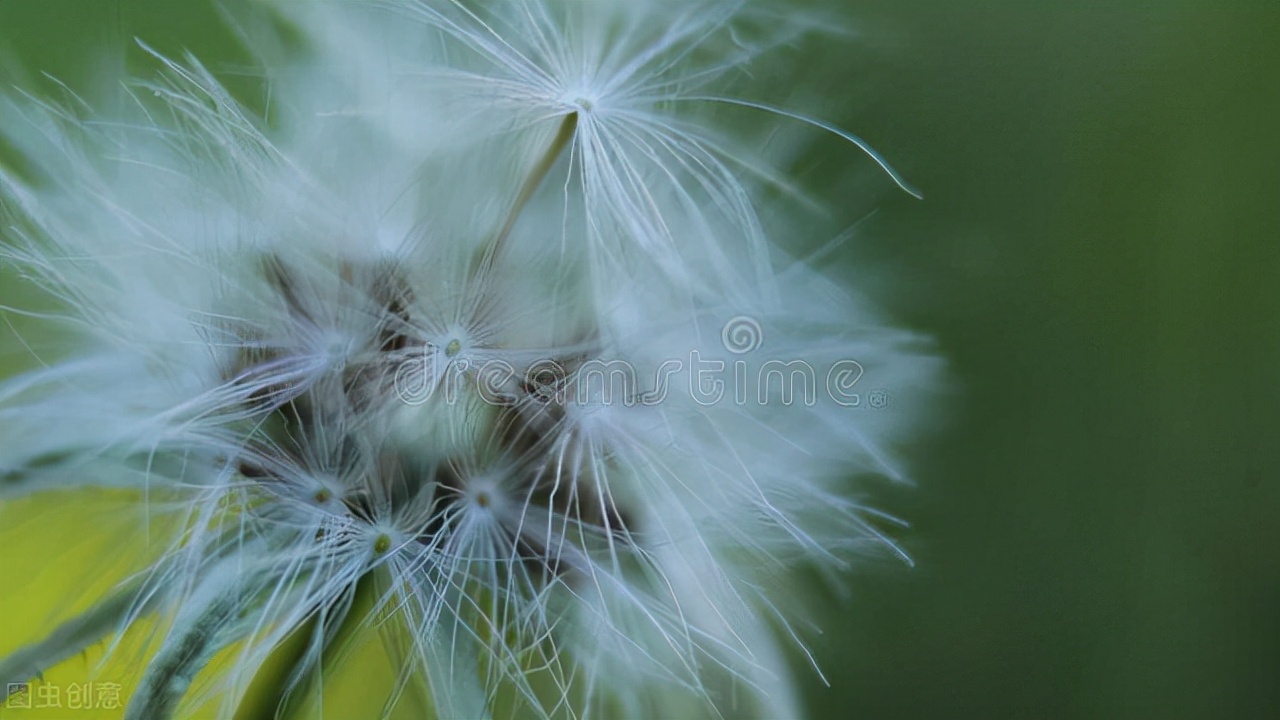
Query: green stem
[
  {"x": 185, "y": 653},
  {"x": 564, "y": 135},
  {"x": 68, "y": 640}
]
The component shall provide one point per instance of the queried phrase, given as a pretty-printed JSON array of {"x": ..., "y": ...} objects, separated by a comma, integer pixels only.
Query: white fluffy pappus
[{"x": 480, "y": 345}]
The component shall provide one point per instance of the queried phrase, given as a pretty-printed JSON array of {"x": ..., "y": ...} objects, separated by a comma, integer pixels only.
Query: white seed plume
[{"x": 480, "y": 345}]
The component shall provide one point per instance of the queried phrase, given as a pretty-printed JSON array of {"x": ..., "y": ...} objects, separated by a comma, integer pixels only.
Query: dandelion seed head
[{"x": 425, "y": 357}]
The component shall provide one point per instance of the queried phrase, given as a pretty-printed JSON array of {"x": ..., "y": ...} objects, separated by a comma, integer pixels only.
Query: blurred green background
[{"x": 1095, "y": 522}]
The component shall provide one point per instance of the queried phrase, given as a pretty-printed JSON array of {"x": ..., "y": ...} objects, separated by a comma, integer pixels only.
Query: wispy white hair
[{"x": 422, "y": 353}]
